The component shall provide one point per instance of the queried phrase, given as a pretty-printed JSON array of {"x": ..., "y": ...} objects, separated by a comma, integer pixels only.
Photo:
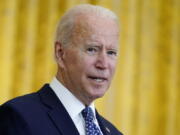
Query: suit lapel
[
  {"x": 104, "y": 128},
  {"x": 63, "y": 122},
  {"x": 57, "y": 112}
]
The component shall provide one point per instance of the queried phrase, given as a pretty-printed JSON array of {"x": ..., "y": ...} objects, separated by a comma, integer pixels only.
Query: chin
[
  {"x": 93, "y": 96},
  {"x": 98, "y": 94},
  {"x": 95, "y": 92}
]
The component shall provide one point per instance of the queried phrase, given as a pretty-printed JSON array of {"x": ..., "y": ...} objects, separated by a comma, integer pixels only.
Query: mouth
[{"x": 98, "y": 79}]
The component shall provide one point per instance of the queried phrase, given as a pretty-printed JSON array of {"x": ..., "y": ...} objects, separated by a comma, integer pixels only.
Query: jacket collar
[
  {"x": 57, "y": 112},
  {"x": 105, "y": 129},
  {"x": 60, "y": 116}
]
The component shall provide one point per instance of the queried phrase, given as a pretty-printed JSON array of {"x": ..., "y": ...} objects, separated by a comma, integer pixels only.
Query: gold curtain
[{"x": 144, "y": 98}]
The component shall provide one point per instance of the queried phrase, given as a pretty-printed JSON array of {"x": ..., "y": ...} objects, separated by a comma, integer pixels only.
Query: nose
[{"x": 102, "y": 61}]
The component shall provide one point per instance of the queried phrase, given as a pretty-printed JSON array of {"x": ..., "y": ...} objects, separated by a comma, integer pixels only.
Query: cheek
[
  {"x": 87, "y": 62},
  {"x": 74, "y": 60},
  {"x": 112, "y": 68},
  {"x": 80, "y": 66}
]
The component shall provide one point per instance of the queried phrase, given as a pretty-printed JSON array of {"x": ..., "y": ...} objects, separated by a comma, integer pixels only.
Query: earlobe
[{"x": 59, "y": 54}]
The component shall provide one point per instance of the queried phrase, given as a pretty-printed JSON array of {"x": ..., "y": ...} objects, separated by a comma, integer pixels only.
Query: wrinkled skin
[{"x": 86, "y": 67}]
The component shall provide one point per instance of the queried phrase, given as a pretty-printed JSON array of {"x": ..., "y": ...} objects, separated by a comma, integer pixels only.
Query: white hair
[{"x": 65, "y": 25}]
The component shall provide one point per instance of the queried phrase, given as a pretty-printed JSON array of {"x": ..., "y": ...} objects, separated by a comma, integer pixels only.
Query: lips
[{"x": 98, "y": 79}]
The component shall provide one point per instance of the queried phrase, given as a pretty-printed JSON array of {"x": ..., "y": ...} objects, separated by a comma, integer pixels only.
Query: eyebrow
[
  {"x": 101, "y": 46},
  {"x": 94, "y": 45}
]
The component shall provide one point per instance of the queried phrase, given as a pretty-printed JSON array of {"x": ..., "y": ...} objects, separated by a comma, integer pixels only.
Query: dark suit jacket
[{"x": 42, "y": 113}]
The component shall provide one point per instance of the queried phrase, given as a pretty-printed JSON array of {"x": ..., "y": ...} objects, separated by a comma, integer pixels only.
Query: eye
[
  {"x": 112, "y": 53},
  {"x": 92, "y": 50}
]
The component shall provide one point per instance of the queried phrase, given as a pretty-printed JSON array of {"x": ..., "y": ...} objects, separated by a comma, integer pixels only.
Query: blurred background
[{"x": 144, "y": 98}]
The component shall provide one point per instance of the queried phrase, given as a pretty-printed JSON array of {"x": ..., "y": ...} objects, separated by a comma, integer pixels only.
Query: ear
[{"x": 59, "y": 54}]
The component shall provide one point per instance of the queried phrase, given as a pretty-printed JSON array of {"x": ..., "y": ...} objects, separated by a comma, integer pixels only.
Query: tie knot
[
  {"x": 90, "y": 127},
  {"x": 88, "y": 114}
]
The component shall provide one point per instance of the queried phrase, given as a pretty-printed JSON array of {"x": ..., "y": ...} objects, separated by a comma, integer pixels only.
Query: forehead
[
  {"x": 93, "y": 22},
  {"x": 91, "y": 28}
]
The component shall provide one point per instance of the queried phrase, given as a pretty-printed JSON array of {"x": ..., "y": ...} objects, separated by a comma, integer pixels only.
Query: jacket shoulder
[
  {"x": 25, "y": 103},
  {"x": 22, "y": 101},
  {"x": 26, "y": 100}
]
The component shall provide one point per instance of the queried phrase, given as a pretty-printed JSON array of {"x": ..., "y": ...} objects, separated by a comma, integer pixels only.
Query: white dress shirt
[{"x": 73, "y": 105}]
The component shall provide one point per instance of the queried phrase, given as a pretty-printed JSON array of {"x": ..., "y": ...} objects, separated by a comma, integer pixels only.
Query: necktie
[{"x": 90, "y": 126}]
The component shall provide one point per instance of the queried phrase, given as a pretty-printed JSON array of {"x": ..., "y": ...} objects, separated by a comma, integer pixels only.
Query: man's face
[{"x": 89, "y": 63}]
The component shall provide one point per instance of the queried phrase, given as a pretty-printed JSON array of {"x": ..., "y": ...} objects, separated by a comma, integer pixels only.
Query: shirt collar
[{"x": 72, "y": 104}]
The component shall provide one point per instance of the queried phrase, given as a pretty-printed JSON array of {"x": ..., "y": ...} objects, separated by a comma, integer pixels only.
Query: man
[{"x": 86, "y": 47}]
